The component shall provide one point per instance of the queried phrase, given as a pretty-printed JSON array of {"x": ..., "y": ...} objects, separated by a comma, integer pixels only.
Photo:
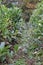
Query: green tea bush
[{"x": 36, "y": 24}]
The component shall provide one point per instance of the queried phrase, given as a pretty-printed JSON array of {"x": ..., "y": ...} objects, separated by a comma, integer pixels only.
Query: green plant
[
  {"x": 36, "y": 24},
  {"x": 3, "y": 53},
  {"x": 20, "y": 62},
  {"x": 9, "y": 19},
  {"x": 36, "y": 33}
]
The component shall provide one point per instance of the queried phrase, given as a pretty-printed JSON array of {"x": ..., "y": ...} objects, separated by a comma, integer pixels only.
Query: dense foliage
[
  {"x": 10, "y": 23},
  {"x": 36, "y": 21},
  {"x": 36, "y": 33},
  {"x": 9, "y": 19},
  {"x": 13, "y": 31}
]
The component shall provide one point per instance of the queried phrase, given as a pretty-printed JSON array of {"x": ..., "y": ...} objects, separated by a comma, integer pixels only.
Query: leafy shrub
[
  {"x": 3, "y": 51},
  {"x": 36, "y": 33},
  {"x": 36, "y": 23},
  {"x": 10, "y": 22},
  {"x": 20, "y": 62},
  {"x": 9, "y": 19}
]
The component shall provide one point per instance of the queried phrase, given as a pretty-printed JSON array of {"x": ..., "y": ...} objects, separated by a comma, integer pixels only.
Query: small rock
[
  {"x": 2, "y": 45},
  {"x": 24, "y": 50}
]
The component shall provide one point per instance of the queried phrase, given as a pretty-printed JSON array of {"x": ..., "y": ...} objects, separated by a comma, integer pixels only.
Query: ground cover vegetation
[{"x": 21, "y": 42}]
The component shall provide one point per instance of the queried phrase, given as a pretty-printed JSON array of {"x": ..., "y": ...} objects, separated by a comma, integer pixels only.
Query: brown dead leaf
[{"x": 30, "y": 5}]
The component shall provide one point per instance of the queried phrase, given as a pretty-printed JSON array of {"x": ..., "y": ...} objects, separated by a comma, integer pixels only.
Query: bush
[
  {"x": 9, "y": 19},
  {"x": 36, "y": 23},
  {"x": 10, "y": 23}
]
